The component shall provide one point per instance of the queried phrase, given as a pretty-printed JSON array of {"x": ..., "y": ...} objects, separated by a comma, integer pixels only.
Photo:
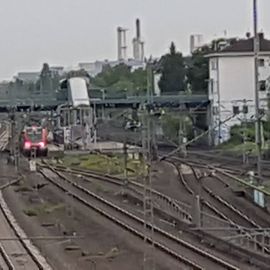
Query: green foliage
[
  {"x": 104, "y": 164},
  {"x": 238, "y": 131},
  {"x": 44, "y": 208},
  {"x": 171, "y": 124},
  {"x": 121, "y": 78},
  {"x": 139, "y": 79},
  {"x": 176, "y": 73},
  {"x": 123, "y": 84},
  {"x": 238, "y": 149},
  {"x": 198, "y": 72},
  {"x": 172, "y": 71}
]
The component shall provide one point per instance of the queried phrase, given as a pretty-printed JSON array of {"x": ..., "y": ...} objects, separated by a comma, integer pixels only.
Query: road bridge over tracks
[{"x": 51, "y": 101}]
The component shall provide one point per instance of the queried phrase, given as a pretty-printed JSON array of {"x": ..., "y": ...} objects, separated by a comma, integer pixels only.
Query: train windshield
[{"x": 34, "y": 135}]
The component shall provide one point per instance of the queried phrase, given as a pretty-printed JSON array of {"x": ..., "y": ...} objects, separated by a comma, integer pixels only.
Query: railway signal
[{"x": 32, "y": 161}]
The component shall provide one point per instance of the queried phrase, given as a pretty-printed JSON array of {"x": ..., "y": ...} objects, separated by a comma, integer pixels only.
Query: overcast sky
[{"x": 65, "y": 32}]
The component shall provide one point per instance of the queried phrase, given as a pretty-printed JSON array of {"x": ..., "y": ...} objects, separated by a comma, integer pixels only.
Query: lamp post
[{"x": 257, "y": 87}]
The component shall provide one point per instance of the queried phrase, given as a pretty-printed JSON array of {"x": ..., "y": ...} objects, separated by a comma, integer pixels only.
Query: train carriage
[{"x": 34, "y": 137}]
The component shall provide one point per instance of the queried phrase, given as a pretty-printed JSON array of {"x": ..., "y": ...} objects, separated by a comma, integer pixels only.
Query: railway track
[
  {"x": 177, "y": 208},
  {"x": 17, "y": 252},
  {"x": 241, "y": 197},
  {"x": 185, "y": 253},
  {"x": 225, "y": 186},
  {"x": 230, "y": 163},
  {"x": 221, "y": 207},
  {"x": 207, "y": 238},
  {"x": 5, "y": 262}
]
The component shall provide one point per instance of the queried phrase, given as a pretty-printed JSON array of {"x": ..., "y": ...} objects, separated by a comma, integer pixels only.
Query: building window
[
  {"x": 215, "y": 110},
  {"x": 211, "y": 86},
  {"x": 261, "y": 62},
  {"x": 262, "y": 85},
  {"x": 213, "y": 64}
]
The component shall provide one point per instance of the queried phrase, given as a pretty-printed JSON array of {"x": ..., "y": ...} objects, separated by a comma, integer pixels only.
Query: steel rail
[
  {"x": 33, "y": 253},
  {"x": 175, "y": 205},
  {"x": 221, "y": 201},
  {"x": 6, "y": 259},
  {"x": 185, "y": 244}
]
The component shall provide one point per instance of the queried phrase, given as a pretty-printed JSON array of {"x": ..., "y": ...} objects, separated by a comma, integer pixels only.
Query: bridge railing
[{"x": 125, "y": 95}]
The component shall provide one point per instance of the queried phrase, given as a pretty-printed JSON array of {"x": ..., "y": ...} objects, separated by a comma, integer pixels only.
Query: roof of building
[
  {"x": 247, "y": 45},
  {"x": 28, "y": 76}
]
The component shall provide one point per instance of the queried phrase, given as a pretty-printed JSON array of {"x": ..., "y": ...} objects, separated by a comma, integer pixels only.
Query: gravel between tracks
[
  {"x": 111, "y": 192},
  {"x": 104, "y": 243}
]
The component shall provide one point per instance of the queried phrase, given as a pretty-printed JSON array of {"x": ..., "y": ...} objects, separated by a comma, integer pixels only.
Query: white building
[
  {"x": 94, "y": 68},
  {"x": 232, "y": 83}
]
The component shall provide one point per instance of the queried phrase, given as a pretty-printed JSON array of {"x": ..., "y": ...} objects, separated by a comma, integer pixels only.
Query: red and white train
[{"x": 34, "y": 137}]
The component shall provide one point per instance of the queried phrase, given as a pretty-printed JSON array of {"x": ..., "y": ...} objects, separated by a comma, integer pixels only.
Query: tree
[
  {"x": 170, "y": 125},
  {"x": 139, "y": 79},
  {"x": 198, "y": 72},
  {"x": 121, "y": 78},
  {"x": 172, "y": 71}
]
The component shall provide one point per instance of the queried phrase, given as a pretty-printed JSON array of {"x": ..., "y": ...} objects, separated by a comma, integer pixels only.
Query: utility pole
[
  {"x": 148, "y": 260},
  {"x": 245, "y": 111},
  {"x": 257, "y": 87},
  {"x": 182, "y": 133},
  {"x": 12, "y": 140},
  {"x": 151, "y": 111},
  {"x": 180, "y": 136},
  {"x": 17, "y": 155},
  {"x": 125, "y": 151}
]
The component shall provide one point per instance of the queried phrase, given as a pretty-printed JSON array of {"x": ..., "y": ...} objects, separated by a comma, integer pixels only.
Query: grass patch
[
  {"x": 113, "y": 253},
  {"x": 238, "y": 149},
  {"x": 113, "y": 164},
  {"x": 24, "y": 189},
  {"x": 110, "y": 255},
  {"x": 101, "y": 189},
  {"x": 49, "y": 209},
  {"x": 30, "y": 212},
  {"x": 45, "y": 208}
]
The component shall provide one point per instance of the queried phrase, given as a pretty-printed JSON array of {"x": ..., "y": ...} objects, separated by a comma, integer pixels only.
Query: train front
[{"x": 34, "y": 138}]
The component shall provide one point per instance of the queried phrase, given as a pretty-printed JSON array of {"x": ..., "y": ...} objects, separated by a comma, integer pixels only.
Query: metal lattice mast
[
  {"x": 149, "y": 258},
  {"x": 149, "y": 262},
  {"x": 257, "y": 87}
]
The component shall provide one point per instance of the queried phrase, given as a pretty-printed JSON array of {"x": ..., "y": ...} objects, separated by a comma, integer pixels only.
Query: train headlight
[
  {"x": 27, "y": 145},
  {"x": 41, "y": 145}
]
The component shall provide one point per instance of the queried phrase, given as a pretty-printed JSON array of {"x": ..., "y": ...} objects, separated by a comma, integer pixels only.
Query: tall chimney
[
  {"x": 138, "y": 29},
  {"x": 119, "y": 44}
]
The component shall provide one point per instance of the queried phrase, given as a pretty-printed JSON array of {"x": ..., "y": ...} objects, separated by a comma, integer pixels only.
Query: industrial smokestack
[
  {"x": 119, "y": 43},
  {"x": 142, "y": 51},
  {"x": 138, "y": 29}
]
